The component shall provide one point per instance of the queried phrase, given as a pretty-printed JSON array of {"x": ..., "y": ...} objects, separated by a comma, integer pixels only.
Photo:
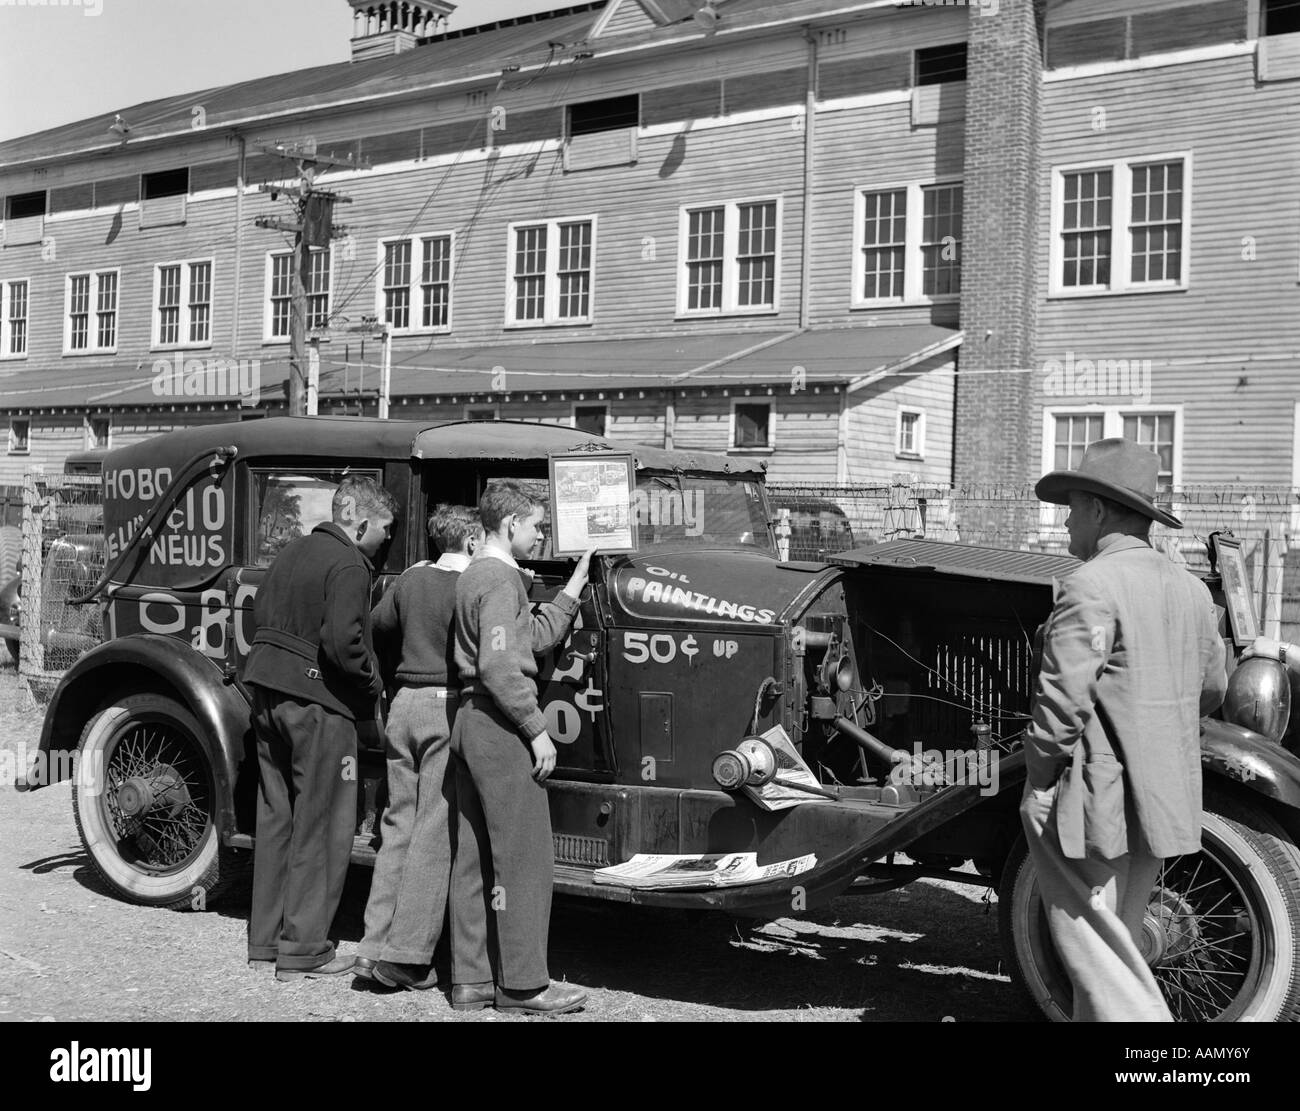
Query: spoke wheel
[
  {"x": 1221, "y": 932},
  {"x": 144, "y": 798}
]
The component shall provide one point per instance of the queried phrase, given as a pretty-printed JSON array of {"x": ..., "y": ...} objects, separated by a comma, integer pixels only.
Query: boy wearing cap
[{"x": 1132, "y": 659}]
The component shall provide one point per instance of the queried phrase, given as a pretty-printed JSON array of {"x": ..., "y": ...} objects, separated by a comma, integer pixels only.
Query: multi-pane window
[
  {"x": 397, "y": 284},
  {"x": 13, "y": 319},
  {"x": 92, "y": 311},
  {"x": 884, "y": 243},
  {"x": 280, "y": 287},
  {"x": 551, "y": 272},
  {"x": 1156, "y": 430},
  {"x": 752, "y": 425},
  {"x": 705, "y": 237},
  {"x": 911, "y": 433},
  {"x": 941, "y": 240},
  {"x": 730, "y": 257},
  {"x": 909, "y": 243},
  {"x": 183, "y": 316},
  {"x": 1086, "y": 228},
  {"x": 1120, "y": 227},
  {"x": 1074, "y": 432},
  {"x": 415, "y": 285},
  {"x": 1157, "y": 222}
]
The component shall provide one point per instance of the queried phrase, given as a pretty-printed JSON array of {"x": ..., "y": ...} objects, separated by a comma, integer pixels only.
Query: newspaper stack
[{"x": 649, "y": 870}]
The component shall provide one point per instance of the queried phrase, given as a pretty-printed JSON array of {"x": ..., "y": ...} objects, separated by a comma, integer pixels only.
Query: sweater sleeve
[
  {"x": 551, "y": 621},
  {"x": 342, "y": 634},
  {"x": 498, "y": 657}
]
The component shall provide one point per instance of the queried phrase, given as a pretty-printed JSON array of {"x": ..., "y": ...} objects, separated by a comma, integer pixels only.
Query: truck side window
[{"x": 289, "y": 504}]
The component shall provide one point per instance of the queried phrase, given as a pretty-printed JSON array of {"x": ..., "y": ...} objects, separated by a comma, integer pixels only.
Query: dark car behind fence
[{"x": 62, "y": 547}]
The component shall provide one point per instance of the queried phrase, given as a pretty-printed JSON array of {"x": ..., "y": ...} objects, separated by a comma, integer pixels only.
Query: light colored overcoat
[{"x": 1132, "y": 658}]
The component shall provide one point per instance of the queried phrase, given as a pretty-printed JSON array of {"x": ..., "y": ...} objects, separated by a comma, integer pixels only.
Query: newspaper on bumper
[{"x": 647, "y": 870}]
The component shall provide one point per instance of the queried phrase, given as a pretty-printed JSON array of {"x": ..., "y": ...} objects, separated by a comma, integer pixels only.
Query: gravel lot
[{"x": 70, "y": 951}]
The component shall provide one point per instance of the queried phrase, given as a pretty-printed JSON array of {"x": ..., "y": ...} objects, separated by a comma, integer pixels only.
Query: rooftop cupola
[{"x": 382, "y": 29}]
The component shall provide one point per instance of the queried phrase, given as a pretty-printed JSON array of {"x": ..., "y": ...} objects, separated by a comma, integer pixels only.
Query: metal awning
[{"x": 962, "y": 560}]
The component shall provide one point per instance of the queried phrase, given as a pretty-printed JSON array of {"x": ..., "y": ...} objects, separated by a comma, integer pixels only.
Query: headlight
[
  {"x": 1259, "y": 698},
  {"x": 751, "y": 763},
  {"x": 845, "y": 677}
]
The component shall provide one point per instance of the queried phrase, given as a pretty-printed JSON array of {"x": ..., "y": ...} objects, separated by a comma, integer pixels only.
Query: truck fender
[
  {"x": 1251, "y": 760},
  {"x": 148, "y": 663}
]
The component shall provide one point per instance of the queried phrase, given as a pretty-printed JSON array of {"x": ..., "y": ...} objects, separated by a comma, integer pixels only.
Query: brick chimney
[
  {"x": 380, "y": 30},
  {"x": 1000, "y": 229}
]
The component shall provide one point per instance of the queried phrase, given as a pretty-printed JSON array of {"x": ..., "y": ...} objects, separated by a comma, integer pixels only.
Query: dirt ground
[{"x": 70, "y": 951}]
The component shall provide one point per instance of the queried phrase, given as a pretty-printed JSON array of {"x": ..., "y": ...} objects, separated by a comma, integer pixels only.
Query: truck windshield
[{"x": 708, "y": 511}]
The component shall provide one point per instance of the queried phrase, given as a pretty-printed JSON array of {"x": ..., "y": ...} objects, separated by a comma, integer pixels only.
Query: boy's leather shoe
[
  {"x": 406, "y": 976},
  {"x": 558, "y": 999},
  {"x": 364, "y": 968},
  {"x": 336, "y": 967},
  {"x": 472, "y": 997}
]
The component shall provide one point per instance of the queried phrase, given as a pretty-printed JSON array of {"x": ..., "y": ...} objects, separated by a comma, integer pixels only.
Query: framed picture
[
  {"x": 1240, "y": 600},
  {"x": 591, "y": 502}
]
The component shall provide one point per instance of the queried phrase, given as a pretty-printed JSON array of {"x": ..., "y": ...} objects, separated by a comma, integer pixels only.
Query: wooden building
[
  {"x": 747, "y": 226},
  {"x": 614, "y": 215}
]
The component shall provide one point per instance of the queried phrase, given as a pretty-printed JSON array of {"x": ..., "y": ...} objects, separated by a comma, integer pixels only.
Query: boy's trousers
[{"x": 504, "y": 857}]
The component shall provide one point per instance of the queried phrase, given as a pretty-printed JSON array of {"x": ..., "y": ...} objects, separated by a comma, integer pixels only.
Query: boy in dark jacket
[
  {"x": 504, "y": 854},
  {"x": 408, "y": 892},
  {"x": 314, "y": 680}
]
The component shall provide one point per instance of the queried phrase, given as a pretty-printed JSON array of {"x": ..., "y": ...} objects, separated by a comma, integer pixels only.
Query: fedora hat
[{"x": 1117, "y": 469}]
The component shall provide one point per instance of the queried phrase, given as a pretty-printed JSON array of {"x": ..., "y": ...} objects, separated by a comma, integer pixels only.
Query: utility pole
[{"x": 312, "y": 226}]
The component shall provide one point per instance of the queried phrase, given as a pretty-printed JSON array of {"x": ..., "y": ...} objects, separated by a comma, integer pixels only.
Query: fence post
[
  {"x": 31, "y": 650},
  {"x": 1274, "y": 553},
  {"x": 900, "y": 506}
]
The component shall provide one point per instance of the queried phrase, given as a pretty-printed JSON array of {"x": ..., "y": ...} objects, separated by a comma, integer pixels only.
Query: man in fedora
[{"x": 1131, "y": 659}]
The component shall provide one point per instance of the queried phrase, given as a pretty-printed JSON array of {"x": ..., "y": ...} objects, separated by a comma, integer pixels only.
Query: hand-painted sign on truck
[{"x": 193, "y": 542}]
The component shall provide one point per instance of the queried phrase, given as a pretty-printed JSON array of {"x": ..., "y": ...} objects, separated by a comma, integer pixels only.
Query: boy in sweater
[
  {"x": 504, "y": 856},
  {"x": 408, "y": 892}
]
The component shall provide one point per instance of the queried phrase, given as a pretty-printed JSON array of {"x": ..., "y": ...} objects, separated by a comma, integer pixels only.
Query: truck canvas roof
[{"x": 370, "y": 438}]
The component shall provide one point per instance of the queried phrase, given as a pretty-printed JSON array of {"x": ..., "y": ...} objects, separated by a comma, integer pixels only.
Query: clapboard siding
[
  {"x": 873, "y": 423},
  {"x": 863, "y": 148},
  {"x": 1142, "y": 31},
  {"x": 1226, "y": 347},
  {"x": 1078, "y": 11},
  {"x": 54, "y": 437}
]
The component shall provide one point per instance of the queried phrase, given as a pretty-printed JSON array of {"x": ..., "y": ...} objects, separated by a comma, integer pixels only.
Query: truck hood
[{"x": 714, "y": 586}]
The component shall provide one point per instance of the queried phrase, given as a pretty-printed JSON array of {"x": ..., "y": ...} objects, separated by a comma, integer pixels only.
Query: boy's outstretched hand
[{"x": 573, "y": 588}]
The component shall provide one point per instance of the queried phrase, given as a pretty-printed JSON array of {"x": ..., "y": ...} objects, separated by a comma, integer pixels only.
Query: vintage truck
[{"x": 902, "y": 674}]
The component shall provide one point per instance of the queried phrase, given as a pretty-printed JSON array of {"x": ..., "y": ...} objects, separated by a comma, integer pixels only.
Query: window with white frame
[
  {"x": 19, "y": 436},
  {"x": 1067, "y": 435},
  {"x": 415, "y": 283},
  {"x": 753, "y": 425},
  {"x": 91, "y": 318},
  {"x": 13, "y": 319},
  {"x": 279, "y": 284},
  {"x": 730, "y": 257},
  {"x": 1120, "y": 227},
  {"x": 910, "y": 437},
  {"x": 908, "y": 243},
  {"x": 182, "y": 314},
  {"x": 551, "y": 272},
  {"x": 99, "y": 432}
]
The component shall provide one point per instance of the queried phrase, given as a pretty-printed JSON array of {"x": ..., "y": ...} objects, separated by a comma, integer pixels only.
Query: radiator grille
[{"x": 590, "y": 851}]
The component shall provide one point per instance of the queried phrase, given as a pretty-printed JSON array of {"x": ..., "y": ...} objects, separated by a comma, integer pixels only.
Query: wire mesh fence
[
  {"x": 63, "y": 553},
  {"x": 821, "y": 520}
]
